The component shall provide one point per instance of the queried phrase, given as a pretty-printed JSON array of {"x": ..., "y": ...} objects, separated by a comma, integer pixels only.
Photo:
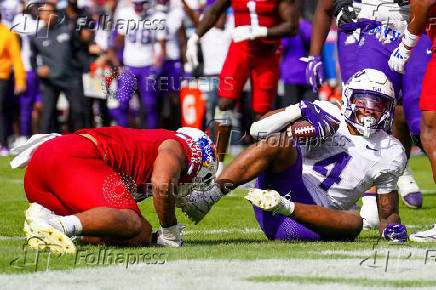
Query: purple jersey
[{"x": 292, "y": 69}]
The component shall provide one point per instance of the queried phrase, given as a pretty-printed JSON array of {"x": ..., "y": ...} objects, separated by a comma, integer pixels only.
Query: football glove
[
  {"x": 247, "y": 32},
  {"x": 197, "y": 204},
  {"x": 192, "y": 50},
  {"x": 344, "y": 12},
  {"x": 363, "y": 24},
  {"x": 395, "y": 232},
  {"x": 315, "y": 72},
  {"x": 171, "y": 236},
  {"x": 398, "y": 58},
  {"x": 386, "y": 35},
  {"x": 319, "y": 118}
]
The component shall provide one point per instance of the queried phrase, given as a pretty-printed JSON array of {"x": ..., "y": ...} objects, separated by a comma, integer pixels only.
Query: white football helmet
[
  {"x": 370, "y": 90},
  {"x": 203, "y": 163}
]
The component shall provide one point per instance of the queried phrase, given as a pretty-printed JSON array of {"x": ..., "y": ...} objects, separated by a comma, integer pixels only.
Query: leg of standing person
[
  {"x": 74, "y": 95},
  {"x": 149, "y": 87},
  {"x": 50, "y": 95},
  {"x": 3, "y": 130},
  {"x": 27, "y": 100}
]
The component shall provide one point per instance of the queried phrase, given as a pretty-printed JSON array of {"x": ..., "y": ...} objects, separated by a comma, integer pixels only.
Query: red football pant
[
  {"x": 66, "y": 176},
  {"x": 260, "y": 64},
  {"x": 427, "y": 101}
]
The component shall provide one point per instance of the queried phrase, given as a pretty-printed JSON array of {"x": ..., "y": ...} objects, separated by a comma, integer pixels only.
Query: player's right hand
[
  {"x": 398, "y": 58},
  {"x": 320, "y": 119},
  {"x": 395, "y": 233},
  {"x": 192, "y": 50},
  {"x": 315, "y": 72},
  {"x": 344, "y": 12}
]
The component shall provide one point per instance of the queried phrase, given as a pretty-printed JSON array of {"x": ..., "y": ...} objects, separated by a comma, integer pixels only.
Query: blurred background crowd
[{"x": 66, "y": 65}]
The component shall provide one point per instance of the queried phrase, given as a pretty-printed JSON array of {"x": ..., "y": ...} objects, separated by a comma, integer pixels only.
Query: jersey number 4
[{"x": 340, "y": 161}]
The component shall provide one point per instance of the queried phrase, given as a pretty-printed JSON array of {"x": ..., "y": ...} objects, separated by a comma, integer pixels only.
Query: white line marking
[
  {"x": 428, "y": 191},
  {"x": 222, "y": 274},
  {"x": 5, "y": 238},
  {"x": 223, "y": 231}
]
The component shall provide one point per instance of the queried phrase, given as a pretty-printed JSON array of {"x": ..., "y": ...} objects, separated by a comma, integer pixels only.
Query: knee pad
[{"x": 369, "y": 212}]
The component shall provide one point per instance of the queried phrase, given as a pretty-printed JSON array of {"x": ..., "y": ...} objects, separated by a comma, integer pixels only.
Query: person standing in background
[
  {"x": 172, "y": 69},
  {"x": 9, "y": 56},
  {"x": 214, "y": 45},
  {"x": 293, "y": 70},
  {"x": 57, "y": 71},
  {"x": 26, "y": 25}
]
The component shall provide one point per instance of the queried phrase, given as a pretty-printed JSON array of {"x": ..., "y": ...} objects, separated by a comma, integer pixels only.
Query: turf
[{"x": 229, "y": 232}]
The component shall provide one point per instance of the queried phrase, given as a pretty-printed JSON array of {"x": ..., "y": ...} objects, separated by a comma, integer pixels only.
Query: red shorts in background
[
  {"x": 427, "y": 101},
  {"x": 66, "y": 176},
  {"x": 261, "y": 63}
]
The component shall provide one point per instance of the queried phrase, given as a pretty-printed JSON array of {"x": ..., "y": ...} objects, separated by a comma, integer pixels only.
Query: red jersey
[
  {"x": 133, "y": 151},
  {"x": 257, "y": 13},
  {"x": 431, "y": 28}
]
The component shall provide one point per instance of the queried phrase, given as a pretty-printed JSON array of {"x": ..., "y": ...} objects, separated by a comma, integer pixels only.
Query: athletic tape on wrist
[{"x": 410, "y": 39}]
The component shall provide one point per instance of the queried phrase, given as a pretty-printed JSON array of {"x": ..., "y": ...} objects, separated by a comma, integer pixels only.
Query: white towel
[{"x": 25, "y": 152}]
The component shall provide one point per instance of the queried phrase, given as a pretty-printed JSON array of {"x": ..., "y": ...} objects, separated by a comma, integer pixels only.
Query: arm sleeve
[{"x": 15, "y": 53}]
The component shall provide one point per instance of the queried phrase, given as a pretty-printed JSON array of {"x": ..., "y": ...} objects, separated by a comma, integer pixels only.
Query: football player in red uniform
[
  {"x": 88, "y": 183},
  {"x": 254, "y": 52},
  {"x": 423, "y": 15}
]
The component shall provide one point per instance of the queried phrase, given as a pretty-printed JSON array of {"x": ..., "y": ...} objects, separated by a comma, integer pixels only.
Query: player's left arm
[
  {"x": 419, "y": 15},
  {"x": 167, "y": 168},
  {"x": 289, "y": 15},
  {"x": 390, "y": 228},
  {"x": 388, "y": 212}
]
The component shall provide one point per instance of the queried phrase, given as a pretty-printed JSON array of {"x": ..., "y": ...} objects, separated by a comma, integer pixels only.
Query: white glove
[
  {"x": 197, "y": 204},
  {"x": 192, "y": 50},
  {"x": 247, "y": 32},
  {"x": 386, "y": 35},
  {"x": 171, "y": 236},
  {"x": 398, "y": 58}
]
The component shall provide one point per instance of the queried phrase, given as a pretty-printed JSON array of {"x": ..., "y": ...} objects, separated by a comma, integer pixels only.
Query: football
[{"x": 302, "y": 130}]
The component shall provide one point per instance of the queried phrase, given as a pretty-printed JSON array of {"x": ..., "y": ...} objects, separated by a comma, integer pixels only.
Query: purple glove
[
  {"x": 319, "y": 118},
  {"x": 364, "y": 24},
  {"x": 315, "y": 72},
  {"x": 395, "y": 233}
]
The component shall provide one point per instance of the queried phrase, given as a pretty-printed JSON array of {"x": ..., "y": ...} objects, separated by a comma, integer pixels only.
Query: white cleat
[
  {"x": 270, "y": 200},
  {"x": 409, "y": 189},
  {"x": 263, "y": 199},
  {"x": 40, "y": 234},
  {"x": 424, "y": 236}
]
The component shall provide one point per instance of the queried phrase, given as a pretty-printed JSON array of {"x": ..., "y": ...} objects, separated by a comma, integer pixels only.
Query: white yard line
[
  {"x": 428, "y": 191},
  {"x": 223, "y": 231},
  {"x": 2, "y": 238},
  {"x": 218, "y": 274}
]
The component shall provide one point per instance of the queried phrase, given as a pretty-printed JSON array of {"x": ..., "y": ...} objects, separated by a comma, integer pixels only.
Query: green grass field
[{"x": 228, "y": 244}]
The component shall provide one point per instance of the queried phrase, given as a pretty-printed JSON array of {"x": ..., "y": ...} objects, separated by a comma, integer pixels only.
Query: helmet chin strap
[{"x": 367, "y": 123}]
